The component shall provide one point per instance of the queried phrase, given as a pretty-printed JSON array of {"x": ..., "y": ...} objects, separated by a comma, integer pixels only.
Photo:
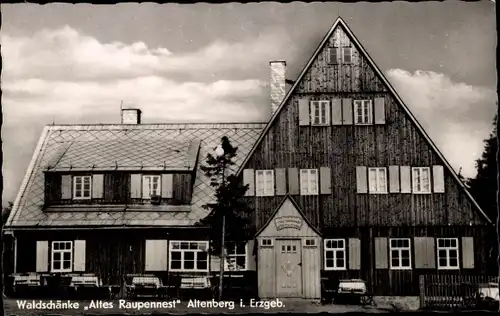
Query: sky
[{"x": 73, "y": 64}]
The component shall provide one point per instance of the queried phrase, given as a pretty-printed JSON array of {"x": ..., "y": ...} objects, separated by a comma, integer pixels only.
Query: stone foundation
[{"x": 404, "y": 303}]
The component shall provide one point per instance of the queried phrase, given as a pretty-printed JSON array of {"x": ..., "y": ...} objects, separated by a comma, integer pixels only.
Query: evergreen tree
[{"x": 229, "y": 219}]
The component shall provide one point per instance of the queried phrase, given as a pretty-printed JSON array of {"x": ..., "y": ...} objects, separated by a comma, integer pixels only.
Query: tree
[
  {"x": 229, "y": 219},
  {"x": 484, "y": 186}
]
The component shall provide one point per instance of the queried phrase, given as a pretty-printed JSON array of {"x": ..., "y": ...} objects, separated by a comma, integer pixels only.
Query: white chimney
[
  {"x": 131, "y": 116},
  {"x": 277, "y": 83}
]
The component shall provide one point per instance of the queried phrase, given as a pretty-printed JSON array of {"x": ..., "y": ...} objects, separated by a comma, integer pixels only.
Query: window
[
  {"x": 188, "y": 255},
  {"x": 308, "y": 181},
  {"x": 266, "y": 242},
  {"x": 346, "y": 55},
  {"x": 332, "y": 55},
  {"x": 150, "y": 186},
  {"x": 310, "y": 242},
  {"x": 447, "y": 249},
  {"x": 377, "y": 180},
  {"x": 335, "y": 254},
  {"x": 236, "y": 258},
  {"x": 264, "y": 183},
  {"x": 81, "y": 187},
  {"x": 320, "y": 112},
  {"x": 363, "y": 112},
  {"x": 62, "y": 256},
  {"x": 400, "y": 251},
  {"x": 421, "y": 180}
]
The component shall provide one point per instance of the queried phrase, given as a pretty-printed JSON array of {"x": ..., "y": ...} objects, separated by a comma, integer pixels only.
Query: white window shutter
[
  {"x": 156, "y": 255},
  {"x": 167, "y": 186},
  {"x": 468, "y": 252},
  {"x": 304, "y": 115},
  {"x": 379, "y": 111},
  {"x": 325, "y": 180},
  {"x": 347, "y": 111},
  {"x": 405, "y": 179},
  {"x": 336, "y": 112},
  {"x": 79, "y": 256},
  {"x": 259, "y": 183},
  {"x": 251, "y": 263},
  {"x": 394, "y": 179},
  {"x": 66, "y": 188},
  {"x": 97, "y": 186},
  {"x": 42, "y": 256},
  {"x": 249, "y": 178},
  {"x": 354, "y": 253},
  {"x": 438, "y": 176},
  {"x": 135, "y": 186},
  {"x": 361, "y": 179}
]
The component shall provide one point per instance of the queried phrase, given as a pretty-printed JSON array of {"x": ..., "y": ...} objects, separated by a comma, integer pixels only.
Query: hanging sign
[{"x": 283, "y": 222}]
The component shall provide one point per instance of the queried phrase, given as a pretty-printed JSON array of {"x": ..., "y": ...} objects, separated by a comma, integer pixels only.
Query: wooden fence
[{"x": 452, "y": 291}]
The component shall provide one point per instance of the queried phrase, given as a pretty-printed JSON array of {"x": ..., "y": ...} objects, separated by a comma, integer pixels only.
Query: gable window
[
  {"x": 447, "y": 253},
  {"x": 377, "y": 180},
  {"x": 421, "y": 180},
  {"x": 266, "y": 242},
  {"x": 264, "y": 185},
  {"x": 400, "y": 251},
  {"x": 236, "y": 258},
  {"x": 308, "y": 181},
  {"x": 346, "y": 55},
  {"x": 309, "y": 242},
  {"x": 320, "y": 114},
  {"x": 150, "y": 186},
  {"x": 332, "y": 55},
  {"x": 62, "y": 256},
  {"x": 363, "y": 112},
  {"x": 188, "y": 255},
  {"x": 335, "y": 254},
  {"x": 82, "y": 187}
]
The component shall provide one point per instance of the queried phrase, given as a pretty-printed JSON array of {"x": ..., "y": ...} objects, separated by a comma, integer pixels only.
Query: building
[{"x": 344, "y": 181}]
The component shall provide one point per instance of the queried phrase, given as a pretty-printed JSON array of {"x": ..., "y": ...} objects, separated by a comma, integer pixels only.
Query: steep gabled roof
[
  {"x": 56, "y": 143},
  {"x": 340, "y": 22}
]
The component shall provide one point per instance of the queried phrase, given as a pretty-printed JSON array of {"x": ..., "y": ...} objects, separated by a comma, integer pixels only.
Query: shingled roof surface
[{"x": 158, "y": 146}]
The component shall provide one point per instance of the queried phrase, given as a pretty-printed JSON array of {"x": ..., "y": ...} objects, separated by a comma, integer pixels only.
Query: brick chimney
[
  {"x": 131, "y": 116},
  {"x": 277, "y": 83}
]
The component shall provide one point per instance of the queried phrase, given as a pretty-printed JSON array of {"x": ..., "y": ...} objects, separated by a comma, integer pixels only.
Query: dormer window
[
  {"x": 82, "y": 187},
  {"x": 151, "y": 186}
]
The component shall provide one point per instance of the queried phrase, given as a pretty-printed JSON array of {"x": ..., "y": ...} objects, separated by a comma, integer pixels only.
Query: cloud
[{"x": 457, "y": 116}]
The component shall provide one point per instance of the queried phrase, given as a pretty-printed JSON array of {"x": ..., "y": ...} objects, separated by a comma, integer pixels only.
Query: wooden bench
[{"x": 144, "y": 285}]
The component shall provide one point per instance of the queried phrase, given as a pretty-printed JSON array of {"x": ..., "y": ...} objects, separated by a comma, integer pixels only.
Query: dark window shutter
[
  {"x": 293, "y": 181},
  {"x": 280, "y": 181},
  {"x": 379, "y": 111}
]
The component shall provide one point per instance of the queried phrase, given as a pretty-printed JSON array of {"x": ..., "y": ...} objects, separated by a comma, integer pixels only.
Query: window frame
[
  {"x": 82, "y": 179},
  {"x": 363, "y": 103},
  {"x": 377, "y": 180},
  {"x": 329, "y": 60},
  {"x": 171, "y": 249},
  {"x": 266, "y": 191},
  {"x": 343, "y": 54},
  {"x": 400, "y": 257},
  {"x": 447, "y": 249},
  {"x": 313, "y": 104},
  {"x": 335, "y": 250},
  {"x": 151, "y": 176},
  {"x": 305, "y": 244},
  {"x": 308, "y": 189},
  {"x": 236, "y": 255},
  {"x": 53, "y": 251},
  {"x": 413, "y": 180},
  {"x": 263, "y": 244}
]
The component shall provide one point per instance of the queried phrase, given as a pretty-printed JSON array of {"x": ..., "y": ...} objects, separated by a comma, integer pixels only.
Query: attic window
[
  {"x": 346, "y": 55},
  {"x": 82, "y": 187},
  {"x": 332, "y": 56}
]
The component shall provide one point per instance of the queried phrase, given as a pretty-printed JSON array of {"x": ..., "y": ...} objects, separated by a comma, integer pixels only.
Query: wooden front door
[{"x": 288, "y": 268}]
